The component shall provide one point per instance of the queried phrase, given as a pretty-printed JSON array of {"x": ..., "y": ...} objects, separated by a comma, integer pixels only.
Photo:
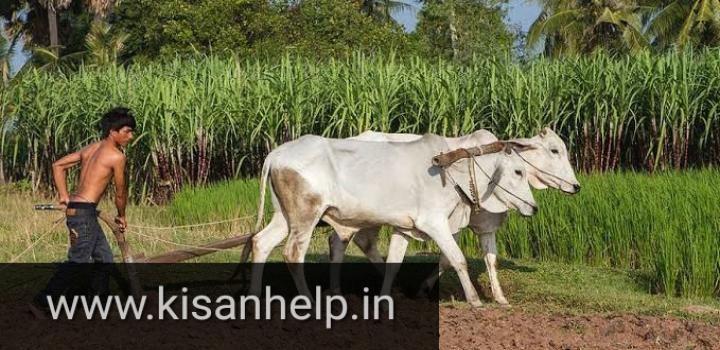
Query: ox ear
[
  {"x": 519, "y": 146},
  {"x": 547, "y": 131},
  {"x": 489, "y": 201},
  {"x": 536, "y": 183},
  {"x": 493, "y": 205}
]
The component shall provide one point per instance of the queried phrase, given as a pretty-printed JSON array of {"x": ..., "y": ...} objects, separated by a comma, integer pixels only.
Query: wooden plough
[
  {"x": 172, "y": 256},
  {"x": 168, "y": 257}
]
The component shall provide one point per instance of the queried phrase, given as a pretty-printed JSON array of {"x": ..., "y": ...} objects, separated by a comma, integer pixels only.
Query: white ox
[
  {"x": 547, "y": 164},
  {"x": 353, "y": 185}
]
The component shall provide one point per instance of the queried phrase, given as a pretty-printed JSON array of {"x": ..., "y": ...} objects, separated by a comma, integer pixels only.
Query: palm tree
[
  {"x": 99, "y": 8},
  {"x": 382, "y": 9},
  {"x": 52, "y": 7},
  {"x": 103, "y": 48},
  {"x": 584, "y": 26},
  {"x": 9, "y": 37},
  {"x": 683, "y": 22}
]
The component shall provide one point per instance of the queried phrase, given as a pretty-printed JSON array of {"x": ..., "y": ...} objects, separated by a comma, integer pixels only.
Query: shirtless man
[{"x": 99, "y": 162}]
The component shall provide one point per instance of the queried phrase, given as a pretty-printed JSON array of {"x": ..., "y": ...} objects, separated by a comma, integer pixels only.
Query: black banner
[{"x": 192, "y": 306}]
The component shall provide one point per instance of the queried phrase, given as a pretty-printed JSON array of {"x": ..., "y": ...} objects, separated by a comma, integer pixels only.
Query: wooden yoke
[{"x": 444, "y": 160}]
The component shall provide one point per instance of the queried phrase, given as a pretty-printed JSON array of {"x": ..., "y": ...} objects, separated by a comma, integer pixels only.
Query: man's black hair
[{"x": 115, "y": 119}]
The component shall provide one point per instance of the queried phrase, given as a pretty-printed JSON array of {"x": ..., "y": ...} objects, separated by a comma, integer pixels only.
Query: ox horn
[{"x": 447, "y": 159}]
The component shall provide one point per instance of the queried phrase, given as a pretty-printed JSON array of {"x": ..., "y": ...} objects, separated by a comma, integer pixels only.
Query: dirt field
[
  {"x": 460, "y": 328},
  {"x": 492, "y": 328}
]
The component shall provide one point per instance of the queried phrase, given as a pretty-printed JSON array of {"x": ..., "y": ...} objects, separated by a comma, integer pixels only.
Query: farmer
[{"x": 99, "y": 162}]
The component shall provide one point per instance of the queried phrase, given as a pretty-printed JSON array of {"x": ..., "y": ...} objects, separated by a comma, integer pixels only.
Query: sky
[{"x": 520, "y": 14}]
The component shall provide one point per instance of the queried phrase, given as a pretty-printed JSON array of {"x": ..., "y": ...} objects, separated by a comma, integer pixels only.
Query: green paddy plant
[
  {"x": 665, "y": 225},
  {"x": 661, "y": 227}
]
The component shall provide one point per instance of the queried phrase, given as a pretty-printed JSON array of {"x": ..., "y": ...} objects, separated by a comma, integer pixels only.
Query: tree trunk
[
  {"x": 53, "y": 30},
  {"x": 2, "y": 171},
  {"x": 453, "y": 30},
  {"x": 5, "y": 68}
]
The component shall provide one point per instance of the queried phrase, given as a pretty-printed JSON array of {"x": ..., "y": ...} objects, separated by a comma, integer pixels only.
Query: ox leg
[
  {"x": 396, "y": 253},
  {"x": 366, "y": 240},
  {"x": 295, "y": 250},
  {"x": 302, "y": 207},
  {"x": 490, "y": 257},
  {"x": 443, "y": 265},
  {"x": 440, "y": 232},
  {"x": 337, "y": 254},
  {"x": 263, "y": 243}
]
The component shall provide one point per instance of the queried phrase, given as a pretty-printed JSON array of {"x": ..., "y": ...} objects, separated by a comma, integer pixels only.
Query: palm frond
[
  {"x": 552, "y": 24},
  {"x": 634, "y": 39},
  {"x": 666, "y": 23},
  {"x": 683, "y": 36}
]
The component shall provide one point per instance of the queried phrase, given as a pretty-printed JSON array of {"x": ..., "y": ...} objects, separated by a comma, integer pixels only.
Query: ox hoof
[
  {"x": 503, "y": 302},
  {"x": 476, "y": 303},
  {"x": 423, "y": 292}
]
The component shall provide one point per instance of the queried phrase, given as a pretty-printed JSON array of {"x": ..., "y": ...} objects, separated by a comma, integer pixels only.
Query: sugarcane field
[{"x": 359, "y": 174}]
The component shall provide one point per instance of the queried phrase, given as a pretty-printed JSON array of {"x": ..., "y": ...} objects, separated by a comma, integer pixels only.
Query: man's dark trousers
[{"x": 87, "y": 245}]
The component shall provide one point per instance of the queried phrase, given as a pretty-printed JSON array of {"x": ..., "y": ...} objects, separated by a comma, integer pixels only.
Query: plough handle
[{"x": 49, "y": 207}]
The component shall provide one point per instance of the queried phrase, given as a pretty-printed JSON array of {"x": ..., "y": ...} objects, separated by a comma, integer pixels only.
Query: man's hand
[
  {"x": 122, "y": 223},
  {"x": 64, "y": 200}
]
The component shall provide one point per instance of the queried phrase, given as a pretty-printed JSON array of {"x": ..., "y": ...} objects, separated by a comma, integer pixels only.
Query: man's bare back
[{"x": 97, "y": 163}]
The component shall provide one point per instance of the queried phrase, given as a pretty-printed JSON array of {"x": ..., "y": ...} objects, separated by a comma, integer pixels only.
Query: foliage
[
  {"x": 213, "y": 118},
  {"x": 480, "y": 29},
  {"x": 9, "y": 37},
  {"x": 104, "y": 48},
  {"x": 381, "y": 10},
  {"x": 687, "y": 23},
  {"x": 250, "y": 27},
  {"x": 572, "y": 27}
]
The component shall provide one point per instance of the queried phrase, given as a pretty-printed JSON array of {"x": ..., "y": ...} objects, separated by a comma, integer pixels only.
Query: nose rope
[
  {"x": 501, "y": 187},
  {"x": 545, "y": 172},
  {"x": 473, "y": 184}
]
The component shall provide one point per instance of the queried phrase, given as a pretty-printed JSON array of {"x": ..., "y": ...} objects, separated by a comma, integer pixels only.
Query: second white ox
[
  {"x": 545, "y": 157},
  {"x": 353, "y": 185}
]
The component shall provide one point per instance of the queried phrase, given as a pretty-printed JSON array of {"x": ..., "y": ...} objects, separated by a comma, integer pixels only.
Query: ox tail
[
  {"x": 261, "y": 202},
  {"x": 261, "y": 210}
]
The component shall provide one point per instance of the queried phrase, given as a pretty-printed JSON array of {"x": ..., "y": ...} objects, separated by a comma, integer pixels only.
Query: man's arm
[
  {"x": 58, "y": 169},
  {"x": 120, "y": 190}
]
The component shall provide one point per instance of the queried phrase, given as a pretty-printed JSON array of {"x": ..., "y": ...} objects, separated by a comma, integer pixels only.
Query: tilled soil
[
  {"x": 467, "y": 328},
  {"x": 460, "y": 328}
]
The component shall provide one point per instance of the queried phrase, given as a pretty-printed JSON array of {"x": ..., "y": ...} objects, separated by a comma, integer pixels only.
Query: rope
[
  {"x": 177, "y": 244},
  {"x": 33, "y": 244},
  {"x": 543, "y": 171},
  {"x": 501, "y": 187},
  {"x": 193, "y": 225},
  {"x": 473, "y": 186}
]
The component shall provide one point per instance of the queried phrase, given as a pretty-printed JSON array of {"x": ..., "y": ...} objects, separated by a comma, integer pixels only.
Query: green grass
[
  {"x": 659, "y": 232},
  {"x": 664, "y": 226},
  {"x": 551, "y": 287},
  {"x": 221, "y": 201}
]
